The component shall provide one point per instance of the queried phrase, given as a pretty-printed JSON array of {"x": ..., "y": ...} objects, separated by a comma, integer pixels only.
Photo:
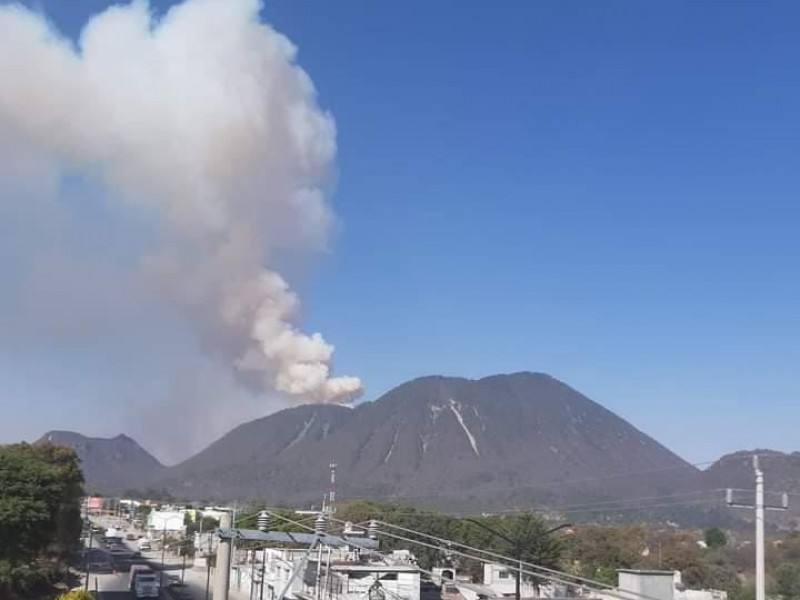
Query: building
[
  {"x": 503, "y": 582},
  {"x": 163, "y": 521},
  {"x": 326, "y": 573},
  {"x": 656, "y": 585},
  {"x": 659, "y": 585},
  {"x": 355, "y": 581}
]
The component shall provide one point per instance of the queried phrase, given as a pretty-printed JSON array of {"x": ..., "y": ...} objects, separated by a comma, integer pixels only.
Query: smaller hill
[
  {"x": 781, "y": 471},
  {"x": 109, "y": 464},
  {"x": 781, "y": 474}
]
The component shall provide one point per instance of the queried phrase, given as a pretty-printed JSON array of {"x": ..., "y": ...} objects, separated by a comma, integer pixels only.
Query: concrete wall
[{"x": 657, "y": 585}]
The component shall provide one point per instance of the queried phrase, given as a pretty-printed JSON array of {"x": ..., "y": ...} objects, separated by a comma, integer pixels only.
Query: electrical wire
[
  {"x": 604, "y": 505},
  {"x": 577, "y": 507},
  {"x": 446, "y": 546},
  {"x": 553, "y": 483},
  {"x": 604, "y": 588},
  {"x": 449, "y": 543}
]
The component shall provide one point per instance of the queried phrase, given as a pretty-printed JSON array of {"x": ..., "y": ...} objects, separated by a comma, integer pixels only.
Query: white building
[
  {"x": 162, "y": 521},
  {"x": 503, "y": 581},
  {"x": 653, "y": 584},
  {"x": 338, "y": 574},
  {"x": 660, "y": 585},
  {"x": 353, "y": 581}
]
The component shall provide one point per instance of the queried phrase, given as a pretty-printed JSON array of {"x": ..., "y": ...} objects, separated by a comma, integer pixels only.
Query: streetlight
[{"x": 517, "y": 544}]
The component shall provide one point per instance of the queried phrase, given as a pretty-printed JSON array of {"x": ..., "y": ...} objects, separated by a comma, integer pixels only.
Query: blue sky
[{"x": 603, "y": 191}]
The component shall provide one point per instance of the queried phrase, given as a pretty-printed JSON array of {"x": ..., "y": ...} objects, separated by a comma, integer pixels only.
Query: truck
[{"x": 144, "y": 583}]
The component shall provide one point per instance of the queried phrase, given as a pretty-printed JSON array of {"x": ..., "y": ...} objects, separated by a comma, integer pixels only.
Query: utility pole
[
  {"x": 759, "y": 507},
  {"x": 208, "y": 567},
  {"x": 163, "y": 550},
  {"x": 263, "y": 571},
  {"x": 332, "y": 491},
  {"x": 222, "y": 572},
  {"x": 86, "y": 555}
]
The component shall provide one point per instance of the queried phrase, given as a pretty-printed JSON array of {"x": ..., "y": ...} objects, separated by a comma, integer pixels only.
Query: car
[
  {"x": 130, "y": 537},
  {"x": 170, "y": 578}
]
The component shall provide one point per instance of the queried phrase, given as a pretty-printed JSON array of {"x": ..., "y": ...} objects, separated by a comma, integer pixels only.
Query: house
[
  {"x": 356, "y": 581},
  {"x": 500, "y": 581}
]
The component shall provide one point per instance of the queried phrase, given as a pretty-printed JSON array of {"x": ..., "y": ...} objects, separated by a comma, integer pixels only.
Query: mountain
[
  {"x": 109, "y": 464},
  {"x": 505, "y": 440},
  {"x": 781, "y": 474}
]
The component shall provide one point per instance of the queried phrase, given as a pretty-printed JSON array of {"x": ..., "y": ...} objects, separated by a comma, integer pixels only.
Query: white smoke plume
[{"x": 200, "y": 123}]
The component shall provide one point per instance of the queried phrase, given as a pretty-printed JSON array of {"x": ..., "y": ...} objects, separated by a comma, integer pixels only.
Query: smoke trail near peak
[{"x": 201, "y": 123}]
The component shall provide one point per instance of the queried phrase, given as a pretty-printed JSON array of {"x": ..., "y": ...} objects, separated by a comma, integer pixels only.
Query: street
[{"x": 115, "y": 585}]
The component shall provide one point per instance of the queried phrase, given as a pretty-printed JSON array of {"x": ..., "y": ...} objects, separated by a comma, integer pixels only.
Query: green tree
[
  {"x": 716, "y": 538},
  {"x": 597, "y": 552},
  {"x": 744, "y": 592},
  {"x": 529, "y": 539},
  {"x": 787, "y": 581},
  {"x": 41, "y": 486},
  {"x": 524, "y": 534}
]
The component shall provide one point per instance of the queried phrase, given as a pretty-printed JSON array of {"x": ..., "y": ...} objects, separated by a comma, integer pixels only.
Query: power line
[
  {"x": 649, "y": 507},
  {"x": 551, "y": 574},
  {"x": 576, "y": 507},
  {"x": 558, "y": 579},
  {"x": 447, "y": 547},
  {"x": 607, "y": 505},
  {"x": 548, "y": 484}
]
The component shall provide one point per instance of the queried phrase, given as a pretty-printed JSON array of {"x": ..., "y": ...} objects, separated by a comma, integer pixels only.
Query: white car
[{"x": 170, "y": 578}]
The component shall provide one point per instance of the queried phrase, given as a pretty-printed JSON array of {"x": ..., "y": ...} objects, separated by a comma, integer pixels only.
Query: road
[{"x": 115, "y": 586}]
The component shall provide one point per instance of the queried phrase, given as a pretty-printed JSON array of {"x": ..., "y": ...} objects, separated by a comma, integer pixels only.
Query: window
[{"x": 503, "y": 574}]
